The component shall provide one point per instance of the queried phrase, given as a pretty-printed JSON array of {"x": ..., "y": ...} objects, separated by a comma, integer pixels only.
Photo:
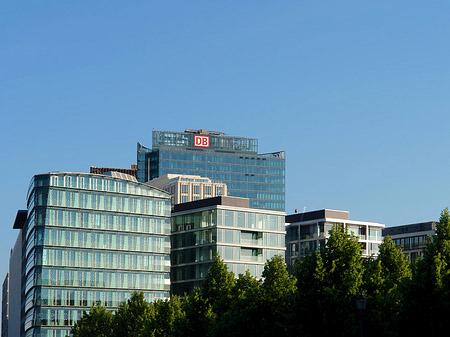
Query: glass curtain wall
[
  {"x": 91, "y": 239},
  {"x": 245, "y": 240}
]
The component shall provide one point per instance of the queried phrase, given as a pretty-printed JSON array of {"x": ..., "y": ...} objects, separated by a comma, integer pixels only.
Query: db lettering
[{"x": 201, "y": 141}]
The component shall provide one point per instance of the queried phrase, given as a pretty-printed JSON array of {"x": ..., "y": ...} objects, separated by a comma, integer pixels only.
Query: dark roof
[
  {"x": 411, "y": 228},
  {"x": 21, "y": 219},
  {"x": 316, "y": 215},
  {"x": 220, "y": 200}
]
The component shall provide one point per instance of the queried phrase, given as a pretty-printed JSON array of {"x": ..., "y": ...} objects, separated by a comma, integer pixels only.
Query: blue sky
[{"x": 355, "y": 92}]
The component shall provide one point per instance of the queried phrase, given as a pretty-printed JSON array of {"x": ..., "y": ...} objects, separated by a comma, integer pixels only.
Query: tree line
[{"x": 316, "y": 297}]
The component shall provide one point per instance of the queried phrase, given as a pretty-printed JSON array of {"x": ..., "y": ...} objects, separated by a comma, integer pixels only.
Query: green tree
[
  {"x": 132, "y": 317},
  {"x": 198, "y": 319},
  {"x": 243, "y": 318},
  {"x": 217, "y": 287},
  {"x": 384, "y": 282},
  {"x": 329, "y": 282},
  {"x": 95, "y": 323},
  {"x": 310, "y": 274},
  {"x": 277, "y": 290},
  {"x": 427, "y": 302},
  {"x": 166, "y": 313}
]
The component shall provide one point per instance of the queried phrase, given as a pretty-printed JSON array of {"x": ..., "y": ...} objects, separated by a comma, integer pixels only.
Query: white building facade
[{"x": 308, "y": 231}]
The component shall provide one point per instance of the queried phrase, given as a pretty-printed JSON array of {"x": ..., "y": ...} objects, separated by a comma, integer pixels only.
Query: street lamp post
[{"x": 361, "y": 302}]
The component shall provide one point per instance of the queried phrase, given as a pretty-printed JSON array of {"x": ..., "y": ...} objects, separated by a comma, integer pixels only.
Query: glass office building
[
  {"x": 90, "y": 238},
  {"x": 232, "y": 160},
  {"x": 245, "y": 238}
]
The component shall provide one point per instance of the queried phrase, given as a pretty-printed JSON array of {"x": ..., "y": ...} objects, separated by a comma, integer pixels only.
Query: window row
[
  {"x": 322, "y": 229},
  {"x": 248, "y": 181},
  {"x": 58, "y": 317},
  {"x": 194, "y": 221},
  {"x": 222, "y": 159},
  {"x": 250, "y": 220},
  {"x": 100, "y": 240},
  {"x": 167, "y": 138},
  {"x": 102, "y": 221},
  {"x": 227, "y": 218},
  {"x": 59, "y": 297},
  {"x": 98, "y": 183},
  {"x": 250, "y": 238},
  {"x": 198, "y": 271},
  {"x": 200, "y": 237},
  {"x": 412, "y": 242},
  {"x": 48, "y": 332},
  {"x": 58, "y": 277},
  {"x": 103, "y": 201},
  {"x": 99, "y": 259},
  {"x": 191, "y": 255},
  {"x": 271, "y": 205},
  {"x": 239, "y": 168}
]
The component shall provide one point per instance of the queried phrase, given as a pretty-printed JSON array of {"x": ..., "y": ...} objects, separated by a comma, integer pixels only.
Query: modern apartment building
[
  {"x": 308, "y": 231},
  {"x": 185, "y": 188},
  {"x": 412, "y": 237},
  {"x": 234, "y": 161},
  {"x": 244, "y": 238},
  {"x": 85, "y": 238}
]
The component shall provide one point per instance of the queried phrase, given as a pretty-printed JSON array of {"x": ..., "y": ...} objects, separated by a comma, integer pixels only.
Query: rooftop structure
[{"x": 102, "y": 170}]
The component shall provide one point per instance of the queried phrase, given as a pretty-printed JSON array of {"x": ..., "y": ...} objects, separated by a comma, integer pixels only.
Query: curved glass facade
[
  {"x": 91, "y": 238},
  {"x": 232, "y": 160}
]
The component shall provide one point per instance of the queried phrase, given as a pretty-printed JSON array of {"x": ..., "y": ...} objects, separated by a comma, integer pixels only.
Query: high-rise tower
[{"x": 234, "y": 161}]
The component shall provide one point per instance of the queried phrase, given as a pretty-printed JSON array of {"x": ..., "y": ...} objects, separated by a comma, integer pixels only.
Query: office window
[
  {"x": 208, "y": 190},
  {"x": 196, "y": 189}
]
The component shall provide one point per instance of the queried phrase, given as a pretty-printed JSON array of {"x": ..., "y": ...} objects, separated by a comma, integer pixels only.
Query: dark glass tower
[{"x": 232, "y": 160}]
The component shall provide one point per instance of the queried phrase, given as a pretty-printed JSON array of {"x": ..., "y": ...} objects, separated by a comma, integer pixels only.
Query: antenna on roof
[{"x": 303, "y": 213}]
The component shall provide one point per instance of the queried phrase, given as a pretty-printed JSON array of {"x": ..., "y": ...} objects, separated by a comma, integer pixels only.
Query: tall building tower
[
  {"x": 232, "y": 160},
  {"x": 86, "y": 238}
]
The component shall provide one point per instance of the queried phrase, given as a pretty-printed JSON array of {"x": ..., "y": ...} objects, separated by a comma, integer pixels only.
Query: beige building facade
[{"x": 186, "y": 188}]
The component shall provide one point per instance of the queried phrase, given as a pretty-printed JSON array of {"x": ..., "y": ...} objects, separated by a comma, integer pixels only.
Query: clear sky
[{"x": 356, "y": 92}]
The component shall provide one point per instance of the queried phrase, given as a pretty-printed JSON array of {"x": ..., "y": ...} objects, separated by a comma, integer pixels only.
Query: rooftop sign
[{"x": 201, "y": 141}]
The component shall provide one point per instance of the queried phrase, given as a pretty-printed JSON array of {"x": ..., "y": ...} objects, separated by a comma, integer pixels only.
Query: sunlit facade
[
  {"x": 245, "y": 238},
  {"x": 90, "y": 238},
  {"x": 413, "y": 238},
  {"x": 308, "y": 231},
  {"x": 184, "y": 188},
  {"x": 231, "y": 160}
]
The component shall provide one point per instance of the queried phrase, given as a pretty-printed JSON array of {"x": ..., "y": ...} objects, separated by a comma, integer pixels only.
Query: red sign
[{"x": 201, "y": 141}]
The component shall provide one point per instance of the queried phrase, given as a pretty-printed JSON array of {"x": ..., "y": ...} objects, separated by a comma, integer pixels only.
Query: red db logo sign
[{"x": 201, "y": 141}]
